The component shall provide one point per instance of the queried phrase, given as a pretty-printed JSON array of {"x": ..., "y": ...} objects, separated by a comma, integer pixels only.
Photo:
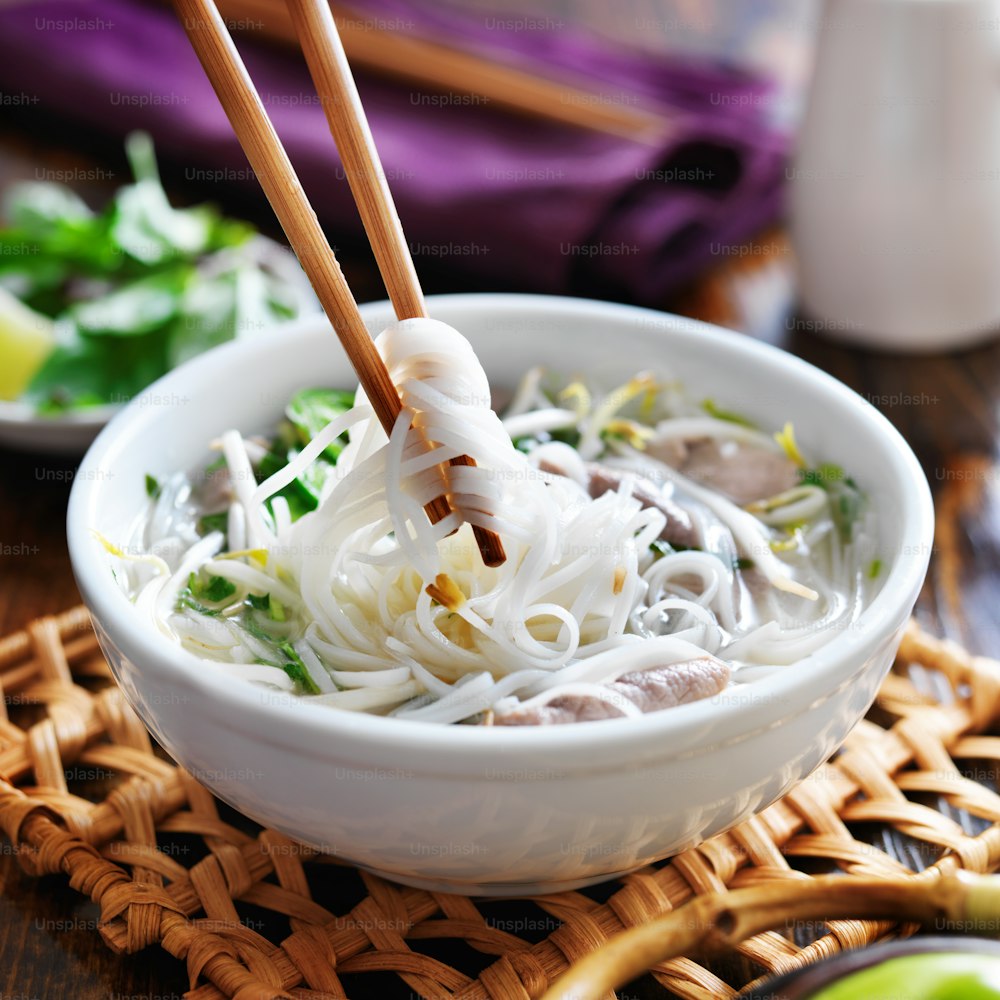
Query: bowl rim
[{"x": 294, "y": 723}]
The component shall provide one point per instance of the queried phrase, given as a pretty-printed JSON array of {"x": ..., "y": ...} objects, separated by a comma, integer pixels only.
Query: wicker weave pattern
[{"x": 64, "y": 713}]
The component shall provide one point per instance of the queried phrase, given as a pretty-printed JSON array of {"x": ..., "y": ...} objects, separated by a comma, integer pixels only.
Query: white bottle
[{"x": 895, "y": 190}]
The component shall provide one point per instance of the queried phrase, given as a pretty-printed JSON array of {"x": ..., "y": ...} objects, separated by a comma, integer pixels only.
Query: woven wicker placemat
[{"x": 256, "y": 916}]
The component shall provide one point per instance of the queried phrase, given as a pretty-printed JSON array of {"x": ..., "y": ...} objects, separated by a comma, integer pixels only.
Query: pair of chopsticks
[
  {"x": 331, "y": 73},
  {"x": 434, "y": 66}
]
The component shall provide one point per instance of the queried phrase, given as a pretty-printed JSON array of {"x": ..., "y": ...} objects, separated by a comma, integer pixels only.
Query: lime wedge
[
  {"x": 944, "y": 976},
  {"x": 26, "y": 340}
]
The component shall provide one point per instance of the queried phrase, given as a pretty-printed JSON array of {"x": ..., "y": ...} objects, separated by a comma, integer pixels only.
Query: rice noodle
[{"x": 389, "y": 613}]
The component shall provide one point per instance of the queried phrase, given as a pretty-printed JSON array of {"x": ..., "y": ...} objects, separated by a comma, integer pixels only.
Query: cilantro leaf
[
  {"x": 208, "y": 523},
  {"x": 310, "y": 410},
  {"x": 136, "y": 287}
]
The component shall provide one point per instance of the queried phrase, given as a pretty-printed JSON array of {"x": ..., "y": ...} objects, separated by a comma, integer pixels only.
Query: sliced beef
[
  {"x": 670, "y": 451},
  {"x": 215, "y": 492},
  {"x": 566, "y": 708},
  {"x": 741, "y": 472},
  {"x": 679, "y": 529},
  {"x": 649, "y": 690},
  {"x": 678, "y": 684}
]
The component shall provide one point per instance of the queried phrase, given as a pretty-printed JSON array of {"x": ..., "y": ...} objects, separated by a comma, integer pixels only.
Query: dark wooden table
[{"x": 946, "y": 406}]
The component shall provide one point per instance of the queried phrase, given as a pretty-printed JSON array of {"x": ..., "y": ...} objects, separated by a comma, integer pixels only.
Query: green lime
[{"x": 934, "y": 976}]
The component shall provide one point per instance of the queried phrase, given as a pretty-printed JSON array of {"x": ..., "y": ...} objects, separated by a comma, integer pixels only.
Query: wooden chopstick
[
  {"x": 435, "y": 66},
  {"x": 345, "y": 114},
  {"x": 241, "y": 102},
  {"x": 214, "y": 47},
  {"x": 331, "y": 73}
]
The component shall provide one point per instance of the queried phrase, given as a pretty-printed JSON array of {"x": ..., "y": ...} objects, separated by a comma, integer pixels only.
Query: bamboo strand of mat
[{"x": 719, "y": 922}]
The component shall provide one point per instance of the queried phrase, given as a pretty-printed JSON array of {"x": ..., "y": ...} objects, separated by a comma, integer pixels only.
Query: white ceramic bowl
[{"x": 501, "y": 811}]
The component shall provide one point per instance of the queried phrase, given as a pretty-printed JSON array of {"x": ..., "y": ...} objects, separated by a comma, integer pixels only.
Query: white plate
[{"x": 67, "y": 434}]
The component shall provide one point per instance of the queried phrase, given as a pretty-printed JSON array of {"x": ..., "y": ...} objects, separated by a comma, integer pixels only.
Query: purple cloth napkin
[{"x": 508, "y": 201}]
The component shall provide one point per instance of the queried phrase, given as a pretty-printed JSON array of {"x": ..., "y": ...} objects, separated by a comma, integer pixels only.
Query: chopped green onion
[
  {"x": 846, "y": 498},
  {"x": 251, "y": 624},
  {"x": 269, "y": 604},
  {"x": 660, "y": 548},
  {"x": 297, "y": 670},
  {"x": 822, "y": 475},
  {"x": 152, "y": 487},
  {"x": 567, "y": 435},
  {"x": 185, "y": 600},
  {"x": 217, "y": 589}
]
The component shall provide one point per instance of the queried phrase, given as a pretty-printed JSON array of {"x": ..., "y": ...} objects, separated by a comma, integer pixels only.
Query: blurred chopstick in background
[{"x": 438, "y": 67}]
